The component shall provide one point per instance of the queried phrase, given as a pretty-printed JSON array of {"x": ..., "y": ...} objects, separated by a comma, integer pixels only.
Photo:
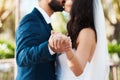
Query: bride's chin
[{"x": 67, "y": 10}]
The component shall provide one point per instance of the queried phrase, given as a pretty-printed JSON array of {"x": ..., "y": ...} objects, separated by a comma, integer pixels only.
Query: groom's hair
[{"x": 81, "y": 17}]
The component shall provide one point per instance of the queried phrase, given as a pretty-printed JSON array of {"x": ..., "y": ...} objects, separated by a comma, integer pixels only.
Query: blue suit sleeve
[{"x": 32, "y": 45}]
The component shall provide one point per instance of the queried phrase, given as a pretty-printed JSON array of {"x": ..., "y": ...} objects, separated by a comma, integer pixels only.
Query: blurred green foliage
[
  {"x": 7, "y": 49},
  {"x": 114, "y": 48}
]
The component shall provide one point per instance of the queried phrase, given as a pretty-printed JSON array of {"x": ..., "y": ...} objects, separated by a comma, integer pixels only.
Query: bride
[{"x": 88, "y": 57}]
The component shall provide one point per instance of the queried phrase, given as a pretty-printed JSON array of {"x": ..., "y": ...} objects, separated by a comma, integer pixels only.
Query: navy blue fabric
[{"x": 34, "y": 61}]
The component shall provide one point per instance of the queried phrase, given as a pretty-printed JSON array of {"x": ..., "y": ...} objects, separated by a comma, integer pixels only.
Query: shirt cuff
[{"x": 51, "y": 52}]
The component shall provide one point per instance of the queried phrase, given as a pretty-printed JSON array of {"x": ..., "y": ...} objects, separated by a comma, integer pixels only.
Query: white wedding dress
[
  {"x": 98, "y": 68},
  {"x": 63, "y": 72}
]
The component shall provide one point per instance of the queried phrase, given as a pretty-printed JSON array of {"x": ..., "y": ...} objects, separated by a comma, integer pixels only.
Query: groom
[{"x": 34, "y": 57}]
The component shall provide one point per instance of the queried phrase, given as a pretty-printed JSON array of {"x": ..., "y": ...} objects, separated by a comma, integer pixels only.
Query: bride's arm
[{"x": 86, "y": 43}]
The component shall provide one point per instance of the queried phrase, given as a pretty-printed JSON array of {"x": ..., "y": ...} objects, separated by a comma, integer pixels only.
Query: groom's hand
[{"x": 59, "y": 43}]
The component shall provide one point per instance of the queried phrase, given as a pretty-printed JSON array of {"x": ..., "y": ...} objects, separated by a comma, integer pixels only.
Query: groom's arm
[{"x": 32, "y": 47}]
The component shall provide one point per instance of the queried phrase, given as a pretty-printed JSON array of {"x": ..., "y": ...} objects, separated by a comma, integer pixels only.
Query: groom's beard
[{"x": 55, "y": 6}]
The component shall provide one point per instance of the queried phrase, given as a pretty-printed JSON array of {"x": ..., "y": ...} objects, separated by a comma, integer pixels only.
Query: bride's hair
[{"x": 81, "y": 17}]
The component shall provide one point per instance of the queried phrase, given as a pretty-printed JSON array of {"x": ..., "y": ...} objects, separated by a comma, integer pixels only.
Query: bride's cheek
[{"x": 68, "y": 5}]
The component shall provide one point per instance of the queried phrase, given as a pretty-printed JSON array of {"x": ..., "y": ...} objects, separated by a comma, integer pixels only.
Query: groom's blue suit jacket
[{"x": 33, "y": 58}]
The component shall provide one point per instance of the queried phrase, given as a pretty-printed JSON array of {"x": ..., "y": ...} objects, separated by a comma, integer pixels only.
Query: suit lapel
[{"x": 35, "y": 11}]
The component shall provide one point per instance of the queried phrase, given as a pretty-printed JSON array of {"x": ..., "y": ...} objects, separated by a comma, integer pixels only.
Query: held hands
[{"x": 59, "y": 42}]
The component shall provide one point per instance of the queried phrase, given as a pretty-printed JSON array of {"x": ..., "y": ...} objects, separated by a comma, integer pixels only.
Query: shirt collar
[{"x": 44, "y": 14}]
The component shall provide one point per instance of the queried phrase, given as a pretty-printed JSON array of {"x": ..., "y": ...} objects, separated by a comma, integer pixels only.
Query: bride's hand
[{"x": 59, "y": 42}]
